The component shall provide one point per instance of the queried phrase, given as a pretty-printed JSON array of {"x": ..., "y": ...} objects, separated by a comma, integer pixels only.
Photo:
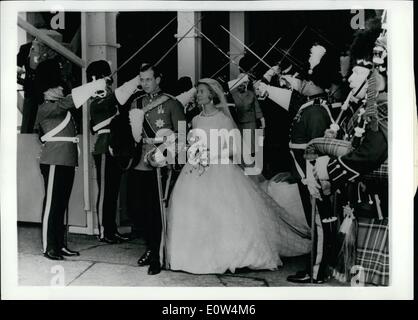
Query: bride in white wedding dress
[{"x": 218, "y": 218}]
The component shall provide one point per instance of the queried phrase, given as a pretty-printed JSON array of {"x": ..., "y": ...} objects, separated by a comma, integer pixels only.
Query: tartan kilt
[{"x": 373, "y": 250}]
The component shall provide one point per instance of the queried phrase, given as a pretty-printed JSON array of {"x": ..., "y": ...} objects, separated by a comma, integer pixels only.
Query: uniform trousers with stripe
[
  {"x": 144, "y": 203},
  {"x": 58, "y": 182},
  {"x": 109, "y": 175},
  {"x": 325, "y": 234}
]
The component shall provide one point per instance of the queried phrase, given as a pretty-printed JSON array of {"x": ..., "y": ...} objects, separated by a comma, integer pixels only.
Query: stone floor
[{"x": 102, "y": 264}]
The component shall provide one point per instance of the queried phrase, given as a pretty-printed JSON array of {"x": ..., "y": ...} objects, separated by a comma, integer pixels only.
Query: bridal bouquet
[{"x": 198, "y": 154}]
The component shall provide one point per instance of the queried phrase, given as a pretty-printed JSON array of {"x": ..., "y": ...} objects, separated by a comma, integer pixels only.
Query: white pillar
[
  {"x": 100, "y": 38},
  {"x": 98, "y": 42},
  {"x": 189, "y": 49},
  {"x": 237, "y": 28}
]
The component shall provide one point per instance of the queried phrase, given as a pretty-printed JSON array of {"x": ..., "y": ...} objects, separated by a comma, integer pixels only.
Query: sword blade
[
  {"x": 217, "y": 47},
  {"x": 246, "y": 47},
  {"x": 252, "y": 68},
  {"x": 226, "y": 64},
  {"x": 293, "y": 44},
  {"x": 144, "y": 45},
  {"x": 223, "y": 67},
  {"x": 178, "y": 41},
  {"x": 289, "y": 57}
]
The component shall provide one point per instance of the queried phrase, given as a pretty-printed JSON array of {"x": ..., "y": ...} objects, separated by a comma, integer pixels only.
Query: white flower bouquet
[{"x": 198, "y": 154}]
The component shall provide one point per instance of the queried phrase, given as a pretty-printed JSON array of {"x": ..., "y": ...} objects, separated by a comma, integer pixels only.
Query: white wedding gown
[{"x": 221, "y": 220}]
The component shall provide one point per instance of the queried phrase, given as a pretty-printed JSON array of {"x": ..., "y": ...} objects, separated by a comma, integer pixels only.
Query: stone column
[
  {"x": 190, "y": 48},
  {"x": 98, "y": 42},
  {"x": 237, "y": 28}
]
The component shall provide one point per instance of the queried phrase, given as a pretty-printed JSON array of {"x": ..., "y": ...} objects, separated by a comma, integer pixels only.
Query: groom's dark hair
[{"x": 149, "y": 66}]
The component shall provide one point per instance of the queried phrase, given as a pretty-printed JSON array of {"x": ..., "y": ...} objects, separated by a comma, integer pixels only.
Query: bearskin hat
[
  {"x": 98, "y": 69},
  {"x": 364, "y": 41},
  {"x": 47, "y": 76}
]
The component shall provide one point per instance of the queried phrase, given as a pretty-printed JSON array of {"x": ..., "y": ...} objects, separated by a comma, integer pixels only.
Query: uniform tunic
[
  {"x": 165, "y": 116},
  {"x": 311, "y": 121},
  {"x": 102, "y": 111},
  {"x": 57, "y": 164},
  {"x": 50, "y": 115},
  {"x": 108, "y": 172}
]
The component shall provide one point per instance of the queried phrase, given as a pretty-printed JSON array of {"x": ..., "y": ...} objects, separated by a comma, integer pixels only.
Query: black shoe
[
  {"x": 303, "y": 277},
  {"x": 121, "y": 237},
  {"x": 145, "y": 259},
  {"x": 154, "y": 268},
  {"x": 53, "y": 255},
  {"x": 69, "y": 253},
  {"x": 109, "y": 240}
]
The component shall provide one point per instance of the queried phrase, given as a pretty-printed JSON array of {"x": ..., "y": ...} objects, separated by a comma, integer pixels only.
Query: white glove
[
  {"x": 126, "y": 90},
  {"x": 261, "y": 88},
  {"x": 271, "y": 72},
  {"x": 313, "y": 188},
  {"x": 82, "y": 93},
  {"x": 294, "y": 82},
  {"x": 186, "y": 97}
]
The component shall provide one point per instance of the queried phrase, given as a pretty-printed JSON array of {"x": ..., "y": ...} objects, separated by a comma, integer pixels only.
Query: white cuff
[{"x": 126, "y": 90}]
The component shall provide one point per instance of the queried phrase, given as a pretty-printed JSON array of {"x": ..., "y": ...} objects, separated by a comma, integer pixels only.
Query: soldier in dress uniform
[
  {"x": 361, "y": 173},
  {"x": 143, "y": 195},
  {"x": 59, "y": 153},
  {"x": 109, "y": 172},
  {"x": 308, "y": 106}
]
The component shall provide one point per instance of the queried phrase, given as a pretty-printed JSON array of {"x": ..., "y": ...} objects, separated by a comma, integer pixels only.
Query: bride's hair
[
  {"x": 216, "y": 91},
  {"x": 219, "y": 99},
  {"x": 214, "y": 97}
]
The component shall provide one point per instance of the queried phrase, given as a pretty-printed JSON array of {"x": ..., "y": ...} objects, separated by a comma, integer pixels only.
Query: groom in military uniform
[{"x": 143, "y": 195}]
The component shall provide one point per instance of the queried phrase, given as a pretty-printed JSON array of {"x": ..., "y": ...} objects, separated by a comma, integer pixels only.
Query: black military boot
[{"x": 69, "y": 253}]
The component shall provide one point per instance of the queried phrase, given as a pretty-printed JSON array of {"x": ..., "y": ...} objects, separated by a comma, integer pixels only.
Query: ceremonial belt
[
  {"x": 50, "y": 136},
  {"x": 298, "y": 168},
  {"x": 298, "y": 146},
  {"x": 103, "y": 131},
  {"x": 153, "y": 140},
  {"x": 102, "y": 124},
  {"x": 147, "y": 129}
]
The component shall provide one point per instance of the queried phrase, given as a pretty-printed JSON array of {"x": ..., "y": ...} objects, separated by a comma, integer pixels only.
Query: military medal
[{"x": 159, "y": 123}]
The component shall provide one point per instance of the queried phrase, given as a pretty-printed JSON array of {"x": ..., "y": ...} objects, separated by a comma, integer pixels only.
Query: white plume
[{"x": 136, "y": 119}]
